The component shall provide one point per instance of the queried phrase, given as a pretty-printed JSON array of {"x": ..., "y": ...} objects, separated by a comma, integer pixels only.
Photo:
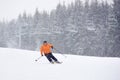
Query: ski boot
[
  {"x": 58, "y": 62},
  {"x": 52, "y": 62}
]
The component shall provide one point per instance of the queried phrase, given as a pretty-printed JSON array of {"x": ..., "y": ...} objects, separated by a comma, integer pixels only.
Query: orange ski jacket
[{"x": 46, "y": 49}]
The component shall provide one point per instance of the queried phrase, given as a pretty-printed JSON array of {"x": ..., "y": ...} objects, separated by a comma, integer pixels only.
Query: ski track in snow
[{"x": 20, "y": 65}]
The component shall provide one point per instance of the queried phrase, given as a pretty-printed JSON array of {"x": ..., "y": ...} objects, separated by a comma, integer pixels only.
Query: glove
[{"x": 52, "y": 47}]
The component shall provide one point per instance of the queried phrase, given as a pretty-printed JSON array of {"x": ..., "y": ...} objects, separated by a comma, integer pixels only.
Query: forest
[{"x": 90, "y": 28}]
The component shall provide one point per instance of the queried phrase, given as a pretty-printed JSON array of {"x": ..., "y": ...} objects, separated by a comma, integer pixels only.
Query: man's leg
[
  {"x": 51, "y": 55},
  {"x": 49, "y": 58}
]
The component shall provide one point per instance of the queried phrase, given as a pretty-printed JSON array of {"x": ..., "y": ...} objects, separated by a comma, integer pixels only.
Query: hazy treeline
[{"x": 91, "y": 29}]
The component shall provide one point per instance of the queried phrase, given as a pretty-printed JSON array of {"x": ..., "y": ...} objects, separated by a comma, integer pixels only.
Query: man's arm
[{"x": 51, "y": 46}]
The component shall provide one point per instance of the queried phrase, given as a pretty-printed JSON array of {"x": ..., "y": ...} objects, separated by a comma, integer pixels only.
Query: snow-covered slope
[{"x": 21, "y": 65}]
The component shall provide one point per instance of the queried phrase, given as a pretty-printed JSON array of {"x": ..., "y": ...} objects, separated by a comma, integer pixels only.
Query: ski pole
[
  {"x": 60, "y": 52},
  {"x": 38, "y": 58}
]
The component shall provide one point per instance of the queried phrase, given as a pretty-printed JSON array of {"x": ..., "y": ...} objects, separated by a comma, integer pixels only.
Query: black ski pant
[{"x": 50, "y": 57}]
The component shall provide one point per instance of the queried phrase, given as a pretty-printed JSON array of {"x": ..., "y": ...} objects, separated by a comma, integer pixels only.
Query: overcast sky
[{"x": 10, "y": 9}]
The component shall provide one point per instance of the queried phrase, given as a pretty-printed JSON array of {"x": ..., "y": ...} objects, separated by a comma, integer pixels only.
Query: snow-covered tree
[
  {"x": 117, "y": 32},
  {"x": 89, "y": 28}
]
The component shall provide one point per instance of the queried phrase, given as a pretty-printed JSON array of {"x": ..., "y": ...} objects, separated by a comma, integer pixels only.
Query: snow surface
[{"x": 20, "y": 65}]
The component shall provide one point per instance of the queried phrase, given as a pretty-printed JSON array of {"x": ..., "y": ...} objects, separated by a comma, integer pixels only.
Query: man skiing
[{"x": 45, "y": 49}]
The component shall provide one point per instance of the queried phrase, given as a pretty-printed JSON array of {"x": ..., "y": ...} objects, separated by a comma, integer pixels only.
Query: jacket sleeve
[{"x": 51, "y": 46}]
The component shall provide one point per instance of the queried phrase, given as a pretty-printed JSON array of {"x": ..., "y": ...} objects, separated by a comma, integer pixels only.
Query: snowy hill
[{"x": 21, "y": 65}]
